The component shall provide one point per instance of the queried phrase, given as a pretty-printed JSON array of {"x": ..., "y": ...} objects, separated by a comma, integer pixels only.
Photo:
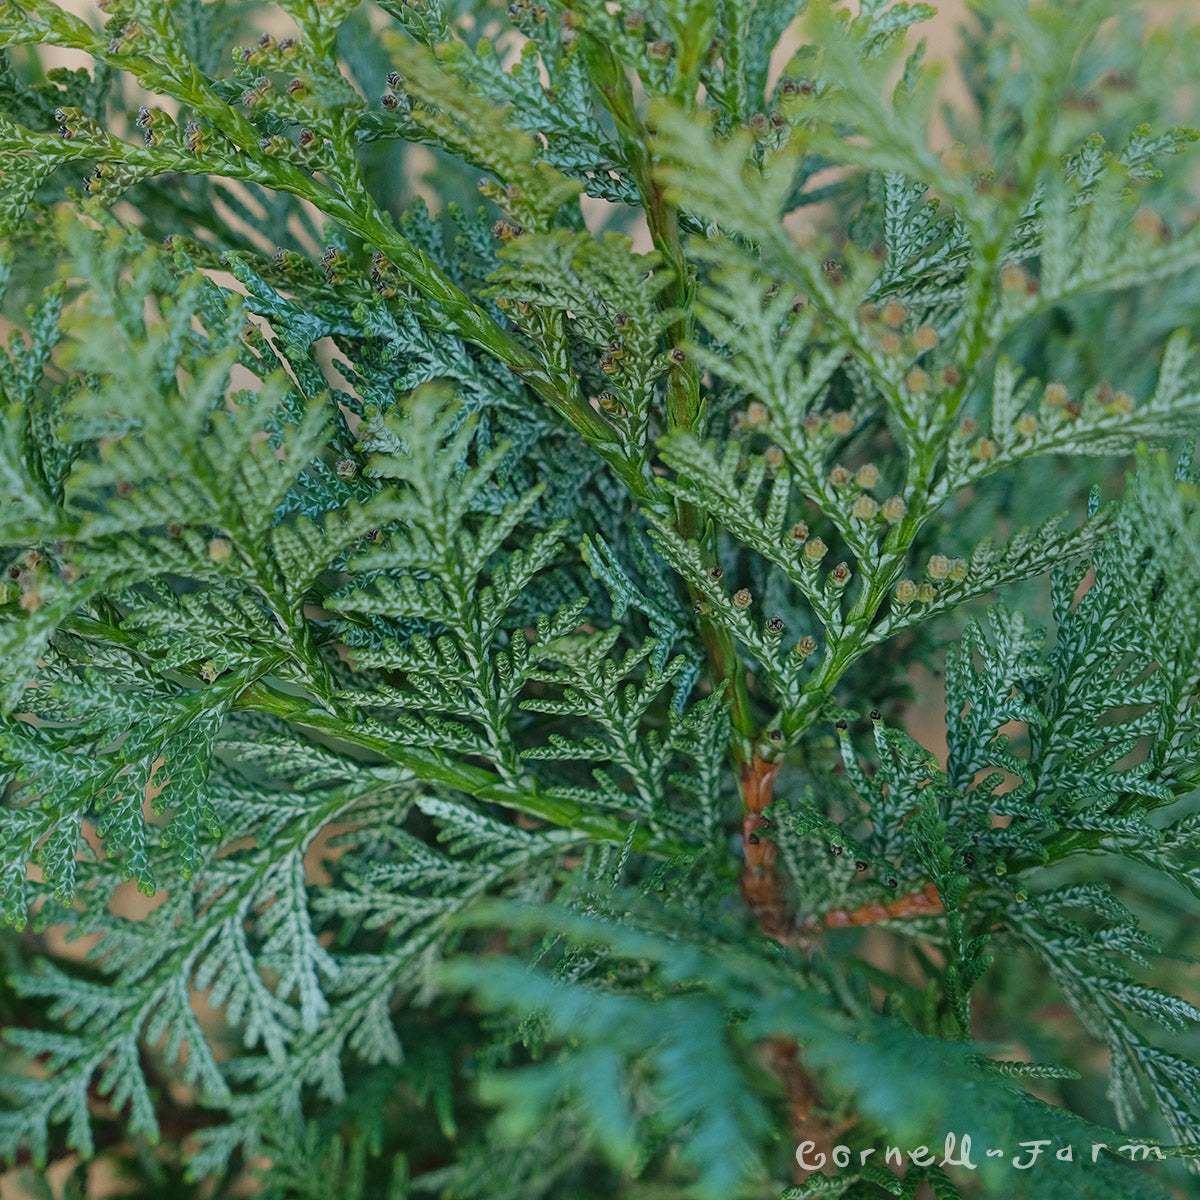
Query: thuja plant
[{"x": 487, "y": 625}]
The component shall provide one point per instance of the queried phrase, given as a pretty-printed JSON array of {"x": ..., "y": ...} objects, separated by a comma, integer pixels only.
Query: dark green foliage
[{"x": 482, "y": 623}]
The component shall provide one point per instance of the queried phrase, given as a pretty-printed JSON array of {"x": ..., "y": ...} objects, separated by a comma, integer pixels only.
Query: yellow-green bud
[{"x": 804, "y": 647}]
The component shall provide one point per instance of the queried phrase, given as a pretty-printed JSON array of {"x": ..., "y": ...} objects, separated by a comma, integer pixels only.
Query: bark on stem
[
  {"x": 761, "y": 884},
  {"x": 925, "y": 903}
]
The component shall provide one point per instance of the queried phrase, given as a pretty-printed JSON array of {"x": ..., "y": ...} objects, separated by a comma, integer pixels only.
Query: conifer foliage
[{"x": 480, "y": 626}]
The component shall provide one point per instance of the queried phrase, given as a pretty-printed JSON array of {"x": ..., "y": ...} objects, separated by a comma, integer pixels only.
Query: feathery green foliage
[{"x": 467, "y": 477}]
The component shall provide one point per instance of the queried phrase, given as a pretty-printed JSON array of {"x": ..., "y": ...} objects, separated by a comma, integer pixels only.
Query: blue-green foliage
[{"x": 461, "y": 614}]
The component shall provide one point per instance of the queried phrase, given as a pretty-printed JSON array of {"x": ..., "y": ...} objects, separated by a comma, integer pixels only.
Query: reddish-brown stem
[
  {"x": 925, "y": 903},
  {"x": 762, "y": 887},
  {"x": 761, "y": 883}
]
